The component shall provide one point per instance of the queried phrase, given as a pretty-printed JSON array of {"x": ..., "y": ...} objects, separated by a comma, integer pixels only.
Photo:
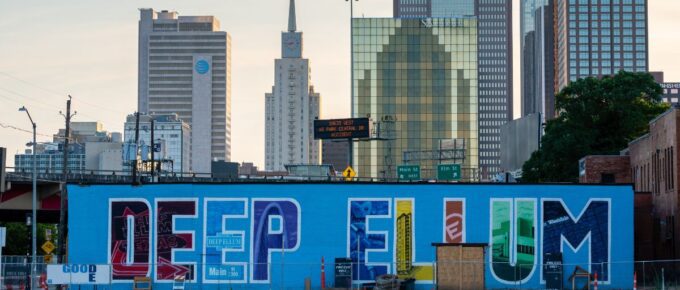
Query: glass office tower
[
  {"x": 538, "y": 54},
  {"x": 421, "y": 73},
  {"x": 599, "y": 37}
]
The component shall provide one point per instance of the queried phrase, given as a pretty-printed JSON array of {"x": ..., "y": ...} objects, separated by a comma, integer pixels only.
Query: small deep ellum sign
[{"x": 78, "y": 274}]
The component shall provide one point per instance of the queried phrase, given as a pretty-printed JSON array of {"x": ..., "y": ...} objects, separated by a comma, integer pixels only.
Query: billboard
[
  {"x": 342, "y": 128},
  {"x": 258, "y": 235}
]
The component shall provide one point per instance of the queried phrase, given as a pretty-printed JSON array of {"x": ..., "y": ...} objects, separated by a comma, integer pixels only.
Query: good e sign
[{"x": 78, "y": 274}]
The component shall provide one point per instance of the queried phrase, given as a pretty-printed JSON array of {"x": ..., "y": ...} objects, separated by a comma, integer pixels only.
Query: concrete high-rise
[
  {"x": 422, "y": 74},
  {"x": 412, "y": 8},
  {"x": 495, "y": 79},
  {"x": 494, "y": 61},
  {"x": 185, "y": 69},
  {"x": 292, "y": 106},
  {"x": 599, "y": 38}
]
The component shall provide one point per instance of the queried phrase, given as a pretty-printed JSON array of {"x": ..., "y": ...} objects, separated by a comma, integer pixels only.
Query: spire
[{"x": 291, "y": 17}]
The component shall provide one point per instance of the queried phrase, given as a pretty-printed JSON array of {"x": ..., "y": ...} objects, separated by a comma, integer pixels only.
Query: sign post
[
  {"x": 408, "y": 172},
  {"x": 448, "y": 172}
]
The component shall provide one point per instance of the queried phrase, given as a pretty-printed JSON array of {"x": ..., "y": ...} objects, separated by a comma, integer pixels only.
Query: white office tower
[
  {"x": 185, "y": 69},
  {"x": 291, "y": 107}
]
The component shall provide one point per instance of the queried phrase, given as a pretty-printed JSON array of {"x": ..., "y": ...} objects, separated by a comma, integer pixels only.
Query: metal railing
[
  {"x": 121, "y": 177},
  {"x": 284, "y": 274}
]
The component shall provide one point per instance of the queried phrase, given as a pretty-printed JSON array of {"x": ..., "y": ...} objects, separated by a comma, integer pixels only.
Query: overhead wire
[
  {"x": 79, "y": 99},
  {"x": 7, "y": 126}
]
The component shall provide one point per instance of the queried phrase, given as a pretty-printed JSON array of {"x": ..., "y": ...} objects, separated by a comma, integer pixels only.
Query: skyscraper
[
  {"x": 422, "y": 73},
  {"x": 538, "y": 58},
  {"x": 495, "y": 79},
  {"x": 292, "y": 106},
  {"x": 494, "y": 62},
  {"x": 185, "y": 69},
  {"x": 599, "y": 38},
  {"x": 412, "y": 8}
]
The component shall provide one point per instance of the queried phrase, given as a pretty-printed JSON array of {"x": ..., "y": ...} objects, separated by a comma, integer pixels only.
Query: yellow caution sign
[
  {"x": 48, "y": 259},
  {"x": 349, "y": 173},
  {"x": 48, "y": 247}
]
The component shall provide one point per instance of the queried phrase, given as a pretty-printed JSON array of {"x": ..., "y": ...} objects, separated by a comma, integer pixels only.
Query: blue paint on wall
[{"x": 291, "y": 226}]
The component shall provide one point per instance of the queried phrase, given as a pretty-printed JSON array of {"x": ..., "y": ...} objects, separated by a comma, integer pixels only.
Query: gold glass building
[{"x": 418, "y": 79}]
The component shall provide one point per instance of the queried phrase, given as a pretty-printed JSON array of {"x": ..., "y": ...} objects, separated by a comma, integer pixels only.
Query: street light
[{"x": 34, "y": 202}]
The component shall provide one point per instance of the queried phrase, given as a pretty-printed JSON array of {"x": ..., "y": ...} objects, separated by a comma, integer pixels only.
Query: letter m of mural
[
  {"x": 561, "y": 228},
  {"x": 513, "y": 239}
]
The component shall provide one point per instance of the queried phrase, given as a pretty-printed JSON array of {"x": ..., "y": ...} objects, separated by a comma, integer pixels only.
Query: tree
[
  {"x": 18, "y": 239},
  {"x": 595, "y": 116}
]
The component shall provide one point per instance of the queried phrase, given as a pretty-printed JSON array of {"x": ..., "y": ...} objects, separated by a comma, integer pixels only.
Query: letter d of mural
[{"x": 130, "y": 238}]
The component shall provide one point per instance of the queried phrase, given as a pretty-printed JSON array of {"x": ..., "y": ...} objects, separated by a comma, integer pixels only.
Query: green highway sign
[
  {"x": 408, "y": 172},
  {"x": 448, "y": 172}
]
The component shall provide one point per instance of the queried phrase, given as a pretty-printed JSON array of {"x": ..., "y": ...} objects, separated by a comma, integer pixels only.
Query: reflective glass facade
[
  {"x": 600, "y": 37},
  {"x": 422, "y": 73},
  {"x": 537, "y": 54}
]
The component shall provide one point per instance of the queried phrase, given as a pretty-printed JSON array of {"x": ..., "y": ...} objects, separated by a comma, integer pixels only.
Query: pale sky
[{"x": 88, "y": 49}]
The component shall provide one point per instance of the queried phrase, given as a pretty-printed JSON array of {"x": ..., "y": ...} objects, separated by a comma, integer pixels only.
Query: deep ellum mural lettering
[{"x": 255, "y": 233}]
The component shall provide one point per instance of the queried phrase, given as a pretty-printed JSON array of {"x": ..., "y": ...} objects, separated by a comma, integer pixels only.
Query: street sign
[
  {"x": 3, "y": 236},
  {"x": 349, "y": 173},
  {"x": 408, "y": 172},
  {"x": 448, "y": 172},
  {"x": 48, "y": 259},
  {"x": 48, "y": 247}
]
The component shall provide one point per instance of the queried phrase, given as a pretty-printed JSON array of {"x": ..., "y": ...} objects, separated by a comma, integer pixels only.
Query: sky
[{"x": 88, "y": 49}]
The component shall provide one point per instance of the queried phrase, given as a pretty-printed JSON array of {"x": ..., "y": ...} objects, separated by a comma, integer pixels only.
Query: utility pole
[
  {"x": 134, "y": 162},
  {"x": 153, "y": 148},
  {"x": 64, "y": 178},
  {"x": 351, "y": 86}
]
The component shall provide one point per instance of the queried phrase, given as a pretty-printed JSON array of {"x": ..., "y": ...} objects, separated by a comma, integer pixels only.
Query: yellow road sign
[
  {"x": 48, "y": 259},
  {"x": 349, "y": 173},
  {"x": 48, "y": 247}
]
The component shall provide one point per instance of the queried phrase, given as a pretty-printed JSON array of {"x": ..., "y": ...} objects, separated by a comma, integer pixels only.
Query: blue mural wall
[{"x": 257, "y": 235}]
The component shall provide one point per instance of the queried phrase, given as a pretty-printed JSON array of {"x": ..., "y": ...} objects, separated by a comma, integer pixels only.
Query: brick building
[
  {"x": 650, "y": 163},
  {"x": 604, "y": 169},
  {"x": 654, "y": 160}
]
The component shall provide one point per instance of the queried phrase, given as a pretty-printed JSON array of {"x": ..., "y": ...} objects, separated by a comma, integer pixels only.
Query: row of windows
[
  {"x": 606, "y": 24},
  {"x": 605, "y": 16}
]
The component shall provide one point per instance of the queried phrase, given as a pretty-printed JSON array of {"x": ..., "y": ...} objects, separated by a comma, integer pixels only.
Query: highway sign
[
  {"x": 342, "y": 128},
  {"x": 448, "y": 172},
  {"x": 48, "y": 247},
  {"x": 349, "y": 173},
  {"x": 408, "y": 172}
]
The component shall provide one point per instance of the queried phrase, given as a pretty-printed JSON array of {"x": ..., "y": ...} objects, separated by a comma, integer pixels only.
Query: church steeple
[{"x": 292, "y": 27}]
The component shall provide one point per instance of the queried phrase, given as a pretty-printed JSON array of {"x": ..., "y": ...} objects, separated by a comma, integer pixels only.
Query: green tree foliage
[
  {"x": 18, "y": 240},
  {"x": 596, "y": 116}
]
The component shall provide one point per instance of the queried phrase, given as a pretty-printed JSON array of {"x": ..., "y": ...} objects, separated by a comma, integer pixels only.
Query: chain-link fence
[{"x": 289, "y": 274}]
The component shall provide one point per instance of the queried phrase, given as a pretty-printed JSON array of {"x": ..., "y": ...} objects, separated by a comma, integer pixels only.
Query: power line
[
  {"x": 80, "y": 100},
  {"x": 6, "y": 126}
]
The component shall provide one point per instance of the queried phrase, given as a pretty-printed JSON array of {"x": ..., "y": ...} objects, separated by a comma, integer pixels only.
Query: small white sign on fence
[
  {"x": 3, "y": 236},
  {"x": 78, "y": 274}
]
